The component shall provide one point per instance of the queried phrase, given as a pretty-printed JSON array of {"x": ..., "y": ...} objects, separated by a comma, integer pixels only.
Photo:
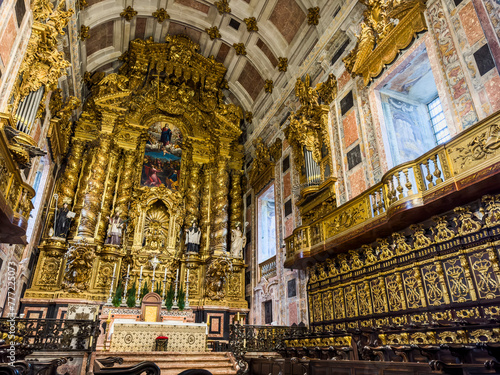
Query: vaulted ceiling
[{"x": 283, "y": 31}]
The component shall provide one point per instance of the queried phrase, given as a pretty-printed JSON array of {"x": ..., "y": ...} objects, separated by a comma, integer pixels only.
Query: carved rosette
[
  {"x": 221, "y": 205},
  {"x": 69, "y": 179},
  {"x": 193, "y": 194},
  {"x": 92, "y": 199}
]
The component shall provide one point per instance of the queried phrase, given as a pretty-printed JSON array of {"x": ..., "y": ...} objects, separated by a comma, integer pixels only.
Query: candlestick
[
  {"x": 175, "y": 295},
  {"x": 124, "y": 299},
  {"x": 186, "y": 304},
  {"x": 110, "y": 298},
  {"x": 138, "y": 299}
]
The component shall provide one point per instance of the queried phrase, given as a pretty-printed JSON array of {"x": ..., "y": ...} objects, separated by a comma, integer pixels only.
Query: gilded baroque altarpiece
[{"x": 159, "y": 86}]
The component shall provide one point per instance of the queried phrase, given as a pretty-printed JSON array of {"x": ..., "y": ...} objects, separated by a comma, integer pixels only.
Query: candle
[
  {"x": 128, "y": 270},
  {"x": 165, "y": 278},
  {"x": 114, "y": 270},
  {"x": 154, "y": 272},
  {"x": 177, "y": 277},
  {"x": 140, "y": 277},
  {"x": 187, "y": 276}
]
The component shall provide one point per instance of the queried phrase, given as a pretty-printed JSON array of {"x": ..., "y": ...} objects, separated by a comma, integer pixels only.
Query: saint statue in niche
[
  {"x": 63, "y": 221},
  {"x": 193, "y": 237},
  {"x": 238, "y": 241},
  {"x": 162, "y": 157},
  {"x": 115, "y": 230}
]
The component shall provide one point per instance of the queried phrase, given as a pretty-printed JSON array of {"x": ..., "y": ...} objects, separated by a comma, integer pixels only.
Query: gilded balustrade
[{"x": 469, "y": 157}]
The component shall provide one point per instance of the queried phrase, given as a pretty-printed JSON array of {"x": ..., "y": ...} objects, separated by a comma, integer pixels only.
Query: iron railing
[
  {"x": 249, "y": 338},
  {"x": 52, "y": 334},
  {"x": 252, "y": 338}
]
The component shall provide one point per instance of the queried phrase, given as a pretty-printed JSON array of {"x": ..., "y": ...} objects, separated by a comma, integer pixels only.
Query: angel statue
[{"x": 238, "y": 241}]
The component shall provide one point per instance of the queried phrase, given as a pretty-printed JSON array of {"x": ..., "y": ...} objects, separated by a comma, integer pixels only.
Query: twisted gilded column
[
  {"x": 236, "y": 200},
  {"x": 220, "y": 207},
  {"x": 82, "y": 187},
  {"x": 125, "y": 183},
  {"x": 206, "y": 218},
  {"x": 193, "y": 194},
  {"x": 95, "y": 188},
  {"x": 69, "y": 180},
  {"x": 107, "y": 199}
]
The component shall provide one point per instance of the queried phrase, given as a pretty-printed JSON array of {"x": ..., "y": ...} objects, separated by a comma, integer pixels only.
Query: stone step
[
  {"x": 228, "y": 371},
  {"x": 181, "y": 363},
  {"x": 173, "y": 363}
]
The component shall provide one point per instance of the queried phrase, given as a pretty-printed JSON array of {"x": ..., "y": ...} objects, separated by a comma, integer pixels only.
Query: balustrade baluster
[
  {"x": 399, "y": 188},
  {"x": 437, "y": 170},
  {"x": 428, "y": 177},
  {"x": 382, "y": 202},
  {"x": 373, "y": 199},
  {"x": 408, "y": 184}
]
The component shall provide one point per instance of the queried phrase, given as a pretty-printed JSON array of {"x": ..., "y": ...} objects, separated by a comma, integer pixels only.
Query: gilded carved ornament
[
  {"x": 251, "y": 23},
  {"x": 261, "y": 161},
  {"x": 309, "y": 125},
  {"x": 84, "y": 33},
  {"x": 282, "y": 64},
  {"x": 161, "y": 15},
  {"x": 223, "y": 6},
  {"x": 268, "y": 86},
  {"x": 79, "y": 261},
  {"x": 313, "y": 16},
  {"x": 213, "y": 32},
  {"x": 387, "y": 28},
  {"x": 240, "y": 49},
  {"x": 128, "y": 13},
  {"x": 43, "y": 63},
  {"x": 248, "y": 117}
]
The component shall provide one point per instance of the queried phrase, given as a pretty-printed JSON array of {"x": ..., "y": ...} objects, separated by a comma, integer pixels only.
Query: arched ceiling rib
[{"x": 283, "y": 32}]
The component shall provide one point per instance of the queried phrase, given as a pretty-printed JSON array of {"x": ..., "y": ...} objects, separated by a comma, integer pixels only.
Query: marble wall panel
[
  {"x": 287, "y": 185},
  {"x": 7, "y": 40},
  {"x": 493, "y": 90},
  {"x": 357, "y": 181},
  {"x": 350, "y": 128},
  {"x": 471, "y": 24},
  {"x": 343, "y": 80}
]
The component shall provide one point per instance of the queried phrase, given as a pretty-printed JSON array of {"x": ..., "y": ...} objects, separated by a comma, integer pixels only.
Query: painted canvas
[{"x": 162, "y": 157}]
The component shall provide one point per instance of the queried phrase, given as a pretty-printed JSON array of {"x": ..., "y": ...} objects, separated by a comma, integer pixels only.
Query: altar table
[{"x": 133, "y": 336}]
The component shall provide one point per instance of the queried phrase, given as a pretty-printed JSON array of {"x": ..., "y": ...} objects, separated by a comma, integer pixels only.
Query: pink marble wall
[
  {"x": 493, "y": 90},
  {"x": 287, "y": 186},
  {"x": 343, "y": 80},
  {"x": 292, "y": 313},
  {"x": 288, "y": 227},
  {"x": 357, "y": 181},
  {"x": 7, "y": 40},
  {"x": 350, "y": 128},
  {"x": 470, "y": 23}
]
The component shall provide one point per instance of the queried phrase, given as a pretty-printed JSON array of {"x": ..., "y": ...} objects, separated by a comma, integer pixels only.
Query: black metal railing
[
  {"x": 248, "y": 338},
  {"x": 263, "y": 338},
  {"x": 52, "y": 334}
]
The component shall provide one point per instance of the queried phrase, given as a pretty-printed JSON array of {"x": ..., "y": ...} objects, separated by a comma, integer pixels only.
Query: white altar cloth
[{"x": 132, "y": 336}]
